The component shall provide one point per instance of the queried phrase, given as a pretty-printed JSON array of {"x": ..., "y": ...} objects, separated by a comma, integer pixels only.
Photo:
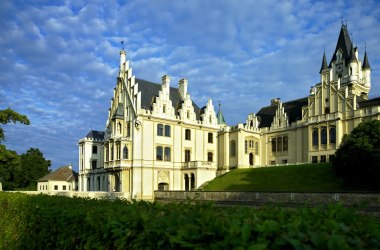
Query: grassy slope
[{"x": 298, "y": 178}]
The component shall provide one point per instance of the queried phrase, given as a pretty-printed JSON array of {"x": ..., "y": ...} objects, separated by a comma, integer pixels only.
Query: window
[
  {"x": 55, "y": 187},
  {"x": 257, "y": 148},
  {"x": 233, "y": 148},
  {"x": 167, "y": 154},
  {"x": 314, "y": 159},
  {"x": 284, "y": 161},
  {"x": 315, "y": 137},
  {"x": 159, "y": 153},
  {"x": 128, "y": 129},
  {"x": 187, "y": 155},
  {"x": 64, "y": 187},
  {"x": 187, "y": 134},
  {"x": 93, "y": 164},
  {"x": 210, "y": 119},
  {"x": 209, "y": 156},
  {"x": 324, "y": 135},
  {"x": 160, "y": 129},
  {"x": 119, "y": 128},
  {"x": 118, "y": 151},
  {"x": 188, "y": 114},
  {"x": 125, "y": 152},
  {"x": 210, "y": 138},
  {"x": 327, "y": 111},
  {"x": 272, "y": 163},
  {"x": 163, "y": 186},
  {"x": 164, "y": 108},
  {"x": 112, "y": 153},
  {"x": 279, "y": 144},
  {"x": 274, "y": 145},
  {"x": 167, "y": 130},
  {"x": 332, "y": 135},
  {"x": 285, "y": 143},
  {"x": 94, "y": 149},
  {"x": 323, "y": 158},
  {"x": 331, "y": 158},
  {"x": 246, "y": 146}
]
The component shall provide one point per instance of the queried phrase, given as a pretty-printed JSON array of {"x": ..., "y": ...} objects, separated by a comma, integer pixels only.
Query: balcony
[{"x": 198, "y": 164}]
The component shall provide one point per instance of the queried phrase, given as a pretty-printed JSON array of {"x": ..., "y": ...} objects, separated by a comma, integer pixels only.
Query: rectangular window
[
  {"x": 210, "y": 138},
  {"x": 279, "y": 144},
  {"x": 285, "y": 143},
  {"x": 284, "y": 161},
  {"x": 167, "y": 155},
  {"x": 273, "y": 145},
  {"x": 159, "y": 153},
  {"x": 64, "y": 187},
  {"x": 210, "y": 156},
  {"x": 315, "y": 137},
  {"x": 160, "y": 129},
  {"x": 246, "y": 146},
  {"x": 167, "y": 130},
  {"x": 323, "y": 158},
  {"x": 272, "y": 163},
  {"x": 55, "y": 187},
  {"x": 233, "y": 148},
  {"x": 332, "y": 135},
  {"x": 323, "y": 135},
  {"x": 314, "y": 159},
  {"x": 187, "y": 134},
  {"x": 94, "y": 149},
  {"x": 93, "y": 164},
  {"x": 187, "y": 155},
  {"x": 331, "y": 158}
]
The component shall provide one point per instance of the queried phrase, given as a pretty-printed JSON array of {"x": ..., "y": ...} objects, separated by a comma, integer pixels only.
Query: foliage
[
  {"x": 358, "y": 156},
  {"x": 52, "y": 222},
  {"x": 9, "y": 166},
  {"x": 292, "y": 178},
  {"x": 33, "y": 167},
  {"x": 8, "y": 116}
]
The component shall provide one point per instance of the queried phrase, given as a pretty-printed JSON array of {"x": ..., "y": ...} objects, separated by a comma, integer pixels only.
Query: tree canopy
[
  {"x": 358, "y": 156},
  {"x": 33, "y": 167},
  {"x": 9, "y": 116}
]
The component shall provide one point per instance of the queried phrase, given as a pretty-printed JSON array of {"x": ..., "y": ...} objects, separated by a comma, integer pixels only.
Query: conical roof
[
  {"x": 365, "y": 61},
  {"x": 352, "y": 55},
  {"x": 344, "y": 44},
  {"x": 324, "y": 63},
  {"x": 220, "y": 117}
]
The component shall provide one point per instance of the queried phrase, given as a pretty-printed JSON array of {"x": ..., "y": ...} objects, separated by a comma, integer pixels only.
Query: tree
[
  {"x": 358, "y": 157},
  {"x": 33, "y": 167},
  {"x": 9, "y": 166},
  {"x": 8, "y": 116}
]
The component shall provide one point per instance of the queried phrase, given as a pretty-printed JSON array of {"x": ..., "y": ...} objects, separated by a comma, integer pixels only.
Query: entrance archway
[{"x": 251, "y": 159}]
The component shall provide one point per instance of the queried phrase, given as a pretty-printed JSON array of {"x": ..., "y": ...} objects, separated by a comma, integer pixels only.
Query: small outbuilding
[{"x": 64, "y": 179}]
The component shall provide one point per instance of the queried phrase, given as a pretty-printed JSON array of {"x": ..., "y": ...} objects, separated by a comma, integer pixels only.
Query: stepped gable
[
  {"x": 96, "y": 135},
  {"x": 149, "y": 91},
  {"x": 293, "y": 109},
  {"x": 64, "y": 173}
]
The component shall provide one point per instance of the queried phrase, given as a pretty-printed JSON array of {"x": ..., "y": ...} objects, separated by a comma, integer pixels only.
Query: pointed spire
[
  {"x": 365, "y": 61},
  {"x": 220, "y": 117},
  {"x": 344, "y": 43},
  {"x": 324, "y": 62}
]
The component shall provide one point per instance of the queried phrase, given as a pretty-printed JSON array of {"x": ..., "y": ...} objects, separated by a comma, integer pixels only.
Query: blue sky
[{"x": 59, "y": 62}]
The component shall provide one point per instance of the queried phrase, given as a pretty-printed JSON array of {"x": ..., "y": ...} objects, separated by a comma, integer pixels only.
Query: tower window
[
  {"x": 187, "y": 134},
  {"x": 94, "y": 149},
  {"x": 210, "y": 138},
  {"x": 160, "y": 129}
]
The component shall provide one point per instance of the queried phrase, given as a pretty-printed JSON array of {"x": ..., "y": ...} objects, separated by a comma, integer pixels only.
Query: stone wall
[{"x": 363, "y": 201}]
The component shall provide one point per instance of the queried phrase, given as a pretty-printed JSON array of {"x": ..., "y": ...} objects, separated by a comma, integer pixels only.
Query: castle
[{"x": 157, "y": 138}]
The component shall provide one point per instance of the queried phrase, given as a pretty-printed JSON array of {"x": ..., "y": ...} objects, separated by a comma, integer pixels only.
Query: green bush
[
  {"x": 45, "y": 222},
  {"x": 358, "y": 157}
]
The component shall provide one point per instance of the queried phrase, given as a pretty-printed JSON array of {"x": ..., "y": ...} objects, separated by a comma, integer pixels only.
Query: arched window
[
  {"x": 125, "y": 152},
  {"x": 233, "y": 148},
  {"x": 324, "y": 136},
  {"x": 167, "y": 130},
  {"x": 160, "y": 129},
  {"x": 285, "y": 143},
  {"x": 315, "y": 137},
  {"x": 279, "y": 144},
  {"x": 332, "y": 135},
  {"x": 119, "y": 128},
  {"x": 167, "y": 155}
]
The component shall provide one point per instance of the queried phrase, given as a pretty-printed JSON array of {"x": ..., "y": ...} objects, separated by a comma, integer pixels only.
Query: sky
[{"x": 59, "y": 59}]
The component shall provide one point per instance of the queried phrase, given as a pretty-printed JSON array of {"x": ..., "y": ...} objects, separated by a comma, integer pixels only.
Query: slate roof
[
  {"x": 119, "y": 112},
  {"x": 365, "y": 62},
  {"x": 344, "y": 43},
  {"x": 369, "y": 103},
  {"x": 149, "y": 92},
  {"x": 324, "y": 63},
  {"x": 97, "y": 135},
  {"x": 64, "y": 173},
  {"x": 293, "y": 109}
]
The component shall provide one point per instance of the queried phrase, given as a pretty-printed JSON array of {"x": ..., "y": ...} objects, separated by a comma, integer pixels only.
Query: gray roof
[
  {"x": 119, "y": 112},
  {"x": 344, "y": 43},
  {"x": 293, "y": 109},
  {"x": 149, "y": 92},
  {"x": 97, "y": 135},
  {"x": 324, "y": 63},
  {"x": 369, "y": 103},
  {"x": 64, "y": 173},
  {"x": 365, "y": 62}
]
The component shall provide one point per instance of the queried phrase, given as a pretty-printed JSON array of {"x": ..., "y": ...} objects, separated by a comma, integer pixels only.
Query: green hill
[{"x": 295, "y": 178}]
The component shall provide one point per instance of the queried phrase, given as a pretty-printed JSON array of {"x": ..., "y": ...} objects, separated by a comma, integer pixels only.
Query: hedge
[{"x": 52, "y": 222}]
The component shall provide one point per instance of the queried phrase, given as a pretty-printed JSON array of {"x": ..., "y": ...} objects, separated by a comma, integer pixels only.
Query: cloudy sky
[{"x": 59, "y": 61}]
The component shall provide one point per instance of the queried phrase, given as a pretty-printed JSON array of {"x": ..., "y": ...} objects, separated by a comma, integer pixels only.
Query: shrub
[
  {"x": 358, "y": 157},
  {"x": 52, "y": 222}
]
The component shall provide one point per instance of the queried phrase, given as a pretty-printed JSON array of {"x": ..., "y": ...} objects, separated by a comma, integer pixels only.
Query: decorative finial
[
  {"x": 219, "y": 104},
  {"x": 365, "y": 47},
  {"x": 122, "y": 44},
  {"x": 346, "y": 23}
]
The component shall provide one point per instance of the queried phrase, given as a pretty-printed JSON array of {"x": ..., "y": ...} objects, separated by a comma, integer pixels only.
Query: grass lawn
[{"x": 294, "y": 178}]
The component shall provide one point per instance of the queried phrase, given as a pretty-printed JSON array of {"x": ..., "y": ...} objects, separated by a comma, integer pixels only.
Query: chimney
[
  {"x": 182, "y": 85},
  {"x": 166, "y": 81}
]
